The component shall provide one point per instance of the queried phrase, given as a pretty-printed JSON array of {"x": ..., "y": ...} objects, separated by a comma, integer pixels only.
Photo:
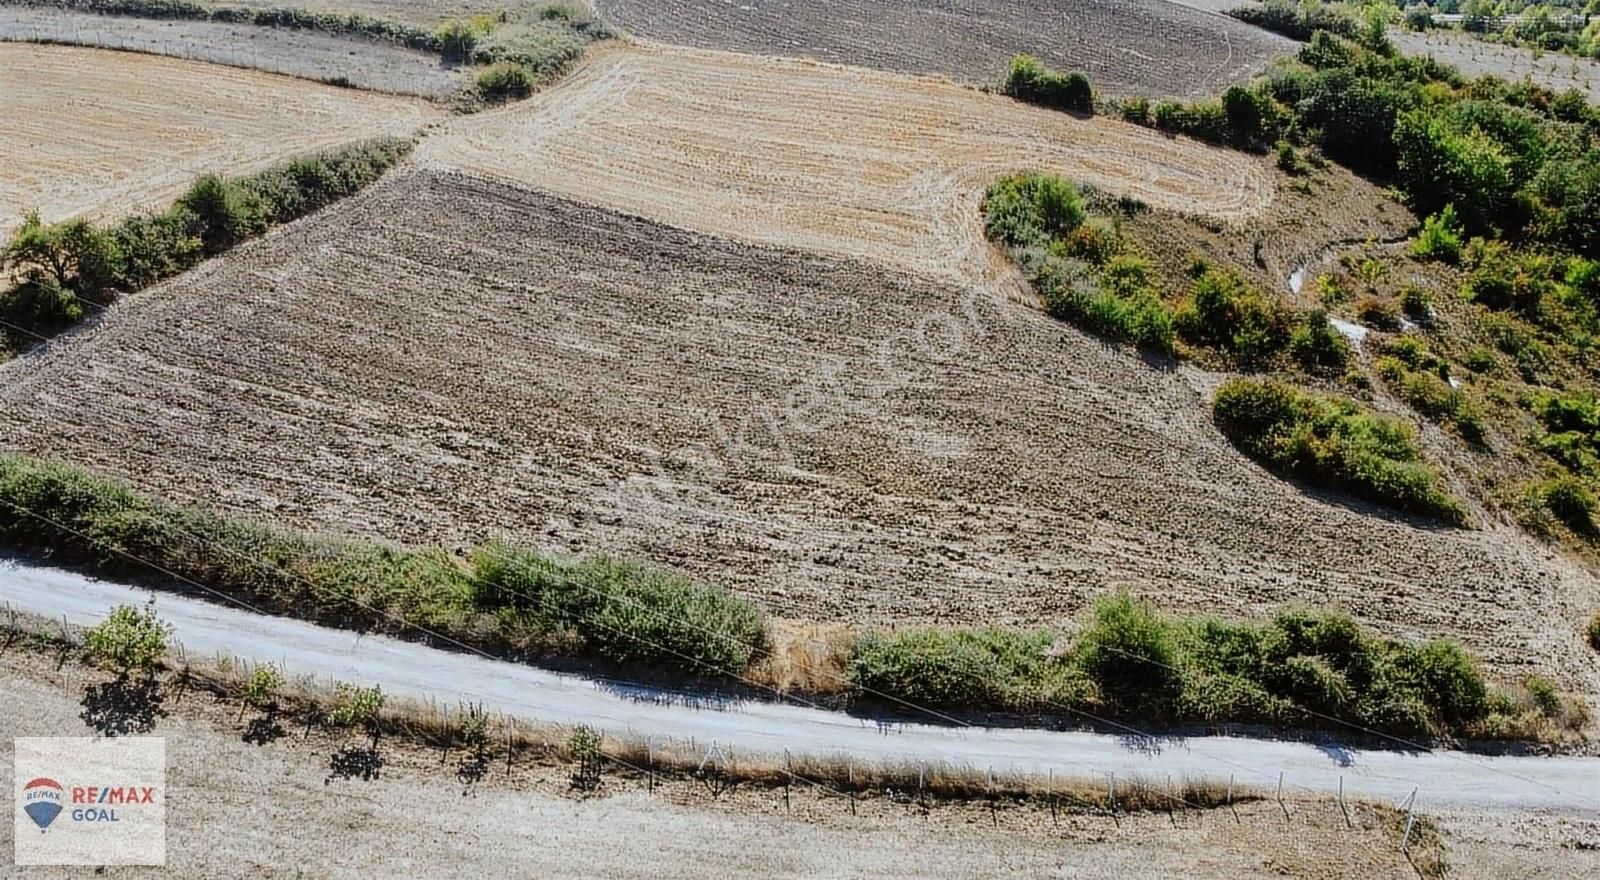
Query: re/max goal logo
[{"x": 90, "y": 803}]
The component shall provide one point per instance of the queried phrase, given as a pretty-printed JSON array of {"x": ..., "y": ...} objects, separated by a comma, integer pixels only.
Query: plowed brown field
[
  {"x": 441, "y": 358},
  {"x": 97, "y": 132},
  {"x": 821, "y": 157},
  {"x": 1127, "y": 47}
]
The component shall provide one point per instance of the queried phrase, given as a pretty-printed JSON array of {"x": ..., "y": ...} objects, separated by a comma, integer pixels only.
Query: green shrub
[
  {"x": 457, "y": 39},
  {"x": 1131, "y": 654},
  {"x": 1441, "y": 237},
  {"x": 504, "y": 81},
  {"x": 1570, "y": 500},
  {"x": 1318, "y": 346},
  {"x": 1450, "y": 678},
  {"x": 1027, "y": 210},
  {"x": 1136, "y": 111},
  {"x": 74, "y": 255},
  {"x": 130, "y": 640},
  {"x": 1332, "y": 441},
  {"x": 1030, "y": 81},
  {"x": 1594, "y": 632},
  {"x": 1226, "y": 313},
  {"x": 38, "y": 307},
  {"x": 979, "y": 668}
]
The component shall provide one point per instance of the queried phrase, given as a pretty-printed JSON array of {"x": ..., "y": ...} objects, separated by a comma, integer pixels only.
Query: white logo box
[{"x": 89, "y": 800}]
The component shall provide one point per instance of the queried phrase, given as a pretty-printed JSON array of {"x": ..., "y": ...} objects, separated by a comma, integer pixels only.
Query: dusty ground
[
  {"x": 90, "y": 131},
  {"x": 415, "y": 821},
  {"x": 826, "y": 158},
  {"x": 365, "y": 64},
  {"x": 1475, "y": 57},
  {"x": 441, "y": 359},
  {"x": 1127, "y": 47}
]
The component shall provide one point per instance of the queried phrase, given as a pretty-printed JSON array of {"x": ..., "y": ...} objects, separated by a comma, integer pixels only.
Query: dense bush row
[
  {"x": 1332, "y": 441},
  {"x": 1028, "y": 80},
  {"x": 62, "y": 267},
  {"x": 1128, "y": 661},
  {"x": 503, "y": 596}
]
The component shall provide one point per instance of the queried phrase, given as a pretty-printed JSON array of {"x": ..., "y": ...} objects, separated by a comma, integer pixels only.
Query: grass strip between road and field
[
  {"x": 1127, "y": 662},
  {"x": 64, "y": 269}
]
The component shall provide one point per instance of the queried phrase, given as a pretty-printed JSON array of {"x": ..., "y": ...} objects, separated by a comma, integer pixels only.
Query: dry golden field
[
  {"x": 102, "y": 133},
  {"x": 824, "y": 158}
]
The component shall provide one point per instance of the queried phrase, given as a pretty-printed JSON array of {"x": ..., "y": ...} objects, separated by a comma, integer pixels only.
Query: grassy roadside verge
[
  {"x": 1128, "y": 662},
  {"x": 65, "y": 269}
]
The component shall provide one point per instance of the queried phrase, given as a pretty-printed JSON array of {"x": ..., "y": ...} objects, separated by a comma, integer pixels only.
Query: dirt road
[
  {"x": 825, "y": 158},
  {"x": 142, "y": 127},
  {"x": 1570, "y": 785}
]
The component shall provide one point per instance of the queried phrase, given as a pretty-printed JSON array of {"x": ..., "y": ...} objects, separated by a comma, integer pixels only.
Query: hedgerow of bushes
[
  {"x": 1332, "y": 441},
  {"x": 66, "y": 268},
  {"x": 504, "y": 597},
  {"x": 1127, "y": 661},
  {"x": 1029, "y": 80}
]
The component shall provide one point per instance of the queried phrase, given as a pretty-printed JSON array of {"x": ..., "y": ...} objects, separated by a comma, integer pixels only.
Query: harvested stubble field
[
  {"x": 1128, "y": 47},
  {"x": 95, "y": 132},
  {"x": 825, "y": 158},
  {"x": 364, "y": 64},
  {"x": 443, "y": 358}
]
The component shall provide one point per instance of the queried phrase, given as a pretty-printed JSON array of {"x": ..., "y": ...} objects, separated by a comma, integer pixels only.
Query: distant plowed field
[
  {"x": 821, "y": 157},
  {"x": 442, "y": 358},
  {"x": 91, "y": 131},
  {"x": 1128, "y": 47}
]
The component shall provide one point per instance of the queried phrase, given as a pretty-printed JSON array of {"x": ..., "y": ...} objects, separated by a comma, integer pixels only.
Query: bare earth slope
[
  {"x": 142, "y": 127},
  {"x": 441, "y": 358},
  {"x": 821, "y": 157},
  {"x": 1127, "y": 47}
]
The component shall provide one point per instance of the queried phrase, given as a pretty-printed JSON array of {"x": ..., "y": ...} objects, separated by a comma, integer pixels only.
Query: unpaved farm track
[
  {"x": 443, "y": 358},
  {"x": 821, "y": 157},
  {"x": 97, "y": 132},
  {"x": 1127, "y": 47}
]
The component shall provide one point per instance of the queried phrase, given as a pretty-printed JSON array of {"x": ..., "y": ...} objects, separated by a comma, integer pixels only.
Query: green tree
[{"x": 74, "y": 255}]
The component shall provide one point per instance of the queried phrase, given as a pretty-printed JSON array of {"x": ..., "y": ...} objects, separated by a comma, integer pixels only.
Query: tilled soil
[
  {"x": 97, "y": 132},
  {"x": 1127, "y": 47},
  {"x": 443, "y": 358},
  {"x": 364, "y": 64},
  {"x": 826, "y": 158}
]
